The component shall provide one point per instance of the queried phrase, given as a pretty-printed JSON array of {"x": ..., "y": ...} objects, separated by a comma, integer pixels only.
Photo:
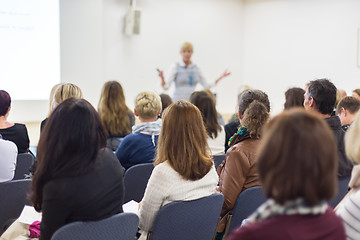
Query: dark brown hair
[
  {"x": 298, "y": 158},
  {"x": 182, "y": 141},
  {"x": 324, "y": 94},
  {"x": 68, "y": 145},
  {"x": 205, "y": 103},
  {"x": 5, "y": 102},
  {"x": 351, "y": 104},
  {"x": 294, "y": 97},
  {"x": 165, "y": 101}
]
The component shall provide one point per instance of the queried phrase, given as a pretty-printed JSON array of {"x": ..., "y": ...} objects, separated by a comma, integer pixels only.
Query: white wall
[{"x": 290, "y": 42}]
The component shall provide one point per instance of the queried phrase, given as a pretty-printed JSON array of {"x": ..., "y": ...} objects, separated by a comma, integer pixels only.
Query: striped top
[{"x": 350, "y": 213}]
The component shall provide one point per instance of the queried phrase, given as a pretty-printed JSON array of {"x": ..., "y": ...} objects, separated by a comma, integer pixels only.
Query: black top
[
  {"x": 345, "y": 166},
  {"x": 95, "y": 195},
  {"x": 230, "y": 129},
  {"x": 17, "y": 134}
]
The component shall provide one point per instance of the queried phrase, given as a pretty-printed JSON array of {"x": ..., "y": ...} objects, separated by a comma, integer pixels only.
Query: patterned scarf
[{"x": 242, "y": 132}]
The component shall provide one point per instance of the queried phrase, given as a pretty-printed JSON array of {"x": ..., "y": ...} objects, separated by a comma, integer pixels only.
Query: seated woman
[
  {"x": 349, "y": 208},
  {"x": 294, "y": 97},
  {"x": 115, "y": 115},
  {"x": 215, "y": 132},
  {"x": 77, "y": 178},
  {"x": 239, "y": 170},
  {"x": 17, "y": 133},
  {"x": 8, "y": 158},
  {"x": 139, "y": 146},
  {"x": 298, "y": 168},
  {"x": 183, "y": 168}
]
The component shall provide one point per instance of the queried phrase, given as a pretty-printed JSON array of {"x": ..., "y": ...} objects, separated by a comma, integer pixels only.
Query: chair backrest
[
  {"x": 12, "y": 200},
  {"x": 23, "y": 164},
  {"x": 343, "y": 186},
  {"x": 246, "y": 203},
  {"x": 120, "y": 226},
  {"x": 135, "y": 181},
  {"x": 188, "y": 220},
  {"x": 218, "y": 159}
]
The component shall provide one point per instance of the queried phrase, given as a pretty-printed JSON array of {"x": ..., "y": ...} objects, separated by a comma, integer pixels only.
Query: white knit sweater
[{"x": 166, "y": 185}]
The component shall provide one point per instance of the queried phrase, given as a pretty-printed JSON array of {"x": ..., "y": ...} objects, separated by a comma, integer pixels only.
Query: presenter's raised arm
[
  {"x": 223, "y": 75},
  {"x": 161, "y": 75}
]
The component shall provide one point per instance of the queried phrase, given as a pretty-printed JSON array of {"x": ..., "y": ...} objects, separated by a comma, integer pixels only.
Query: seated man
[
  {"x": 140, "y": 146},
  {"x": 320, "y": 97},
  {"x": 347, "y": 109}
]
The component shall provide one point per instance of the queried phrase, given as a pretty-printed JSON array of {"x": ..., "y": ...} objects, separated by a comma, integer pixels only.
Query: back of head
[
  {"x": 113, "y": 110},
  {"x": 352, "y": 140},
  {"x": 68, "y": 145},
  {"x": 206, "y": 105},
  {"x": 248, "y": 96},
  {"x": 182, "y": 141},
  {"x": 65, "y": 91},
  {"x": 148, "y": 105},
  {"x": 165, "y": 101},
  {"x": 350, "y": 104},
  {"x": 324, "y": 94},
  {"x": 295, "y": 144},
  {"x": 51, "y": 98},
  {"x": 294, "y": 97},
  {"x": 357, "y": 91},
  {"x": 5, "y": 102}
]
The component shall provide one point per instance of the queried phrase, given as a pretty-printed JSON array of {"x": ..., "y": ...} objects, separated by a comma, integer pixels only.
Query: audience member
[
  {"x": 297, "y": 165},
  {"x": 213, "y": 97},
  {"x": 356, "y": 93},
  {"x": 215, "y": 131},
  {"x": 59, "y": 93},
  {"x": 77, "y": 178},
  {"x": 320, "y": 97},
  {"x": 347, "y": 109},
  {"x": 239, "y": 169},
  {"x": 184, "y": 169},
  {"x": 115, "y": 115},
  {"x": 139, "y": 146},
  {"x": 8, "y": 157},
  {"x": 17, "y": 133},
  {"x": 349, "y": 208},
  {"x": 165, "y": 102},
  {"x": 294, "y": 97}
]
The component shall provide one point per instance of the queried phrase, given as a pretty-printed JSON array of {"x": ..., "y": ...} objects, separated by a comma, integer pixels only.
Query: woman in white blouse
[{"x": 183, "y": 166}]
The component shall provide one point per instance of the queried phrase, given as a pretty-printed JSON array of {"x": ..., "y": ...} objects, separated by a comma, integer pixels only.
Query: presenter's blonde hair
[
  {"x": 187, "y": 46},
  {"x": 352, "y": 140},
  {"x": 148, "y": 105}
]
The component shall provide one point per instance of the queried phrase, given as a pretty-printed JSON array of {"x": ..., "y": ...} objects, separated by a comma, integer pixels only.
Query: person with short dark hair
[
  {"x": 347, "y": 109},
  {"x": 17, "y": 133},
  {"x": 297, "y": 165},
  {"x": 77, "y": 178},
  {"x": 239, "y": 169},
  {"x": 294, "y": 97},
  {"x": 165, "y": 101},
  {"x": 320, "y": 97}
]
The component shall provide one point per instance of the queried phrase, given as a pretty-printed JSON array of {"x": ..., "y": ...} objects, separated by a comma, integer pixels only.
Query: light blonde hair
[
  {"x": 148, "y": 105},
  {"x": 352, "y": 140},
  {"x": 113, "y": 109},
  {"x": 51, "y": 98},
  {"x": 187, "y": 46},
  {"x": 182, "y": 141},
  {"x": 63, "y": 92}
]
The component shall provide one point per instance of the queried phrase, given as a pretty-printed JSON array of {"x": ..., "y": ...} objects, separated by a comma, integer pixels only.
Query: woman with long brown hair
[
  {"x": 115, "y": 115},
  {"x": 183, "y": 166}
]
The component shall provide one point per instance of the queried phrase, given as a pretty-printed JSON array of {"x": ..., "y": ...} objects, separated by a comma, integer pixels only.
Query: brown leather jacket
[{"x": 237, "y": 173}]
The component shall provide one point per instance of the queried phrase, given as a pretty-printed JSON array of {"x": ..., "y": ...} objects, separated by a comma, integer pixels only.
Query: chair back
[
  {"x": 120, "y": 226},
  {"x": 246, "y": 203},
  {"x": 188, "y": 220},
  {"x": 218, "y": 159},
  {"x": 23, "y": 164},
  {"x": 343, "y": 186},
  {"x": 135, "y": 181},
  {"x": 12, "y": 200}
]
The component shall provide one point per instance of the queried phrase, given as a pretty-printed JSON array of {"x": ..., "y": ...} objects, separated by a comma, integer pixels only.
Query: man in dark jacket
[{"x": 320, "y": 97}]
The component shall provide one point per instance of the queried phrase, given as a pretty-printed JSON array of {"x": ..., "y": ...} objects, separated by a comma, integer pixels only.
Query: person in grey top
[{"x": 186, "y": 75}]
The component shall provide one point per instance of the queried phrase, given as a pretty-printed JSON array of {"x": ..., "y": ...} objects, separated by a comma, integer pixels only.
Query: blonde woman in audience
[
  {"x": 115, "y": 115},
  {"x": 239, "y": 169},
  {"x": 298, "y": 168},
  {"x": 183, "y": 167},
  {"x": 215, "y": 131},
  {"x": 14, "y": 132},
  {"x": 349, "y": 208},
  {"x": 139, "y": 146},
  {"x": 59, "y": 93},
  {"x": 356, "y": 93}
]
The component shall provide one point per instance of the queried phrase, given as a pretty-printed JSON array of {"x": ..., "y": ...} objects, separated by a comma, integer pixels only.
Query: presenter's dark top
[
  {"x": 17, "y": 134},
  {"x": 95, "y": 195}
]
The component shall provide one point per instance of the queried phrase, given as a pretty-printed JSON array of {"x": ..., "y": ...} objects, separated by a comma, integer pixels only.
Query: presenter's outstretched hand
[
  {"x": 225, "y": 74},
  {"x": 161, "y": 75}
]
